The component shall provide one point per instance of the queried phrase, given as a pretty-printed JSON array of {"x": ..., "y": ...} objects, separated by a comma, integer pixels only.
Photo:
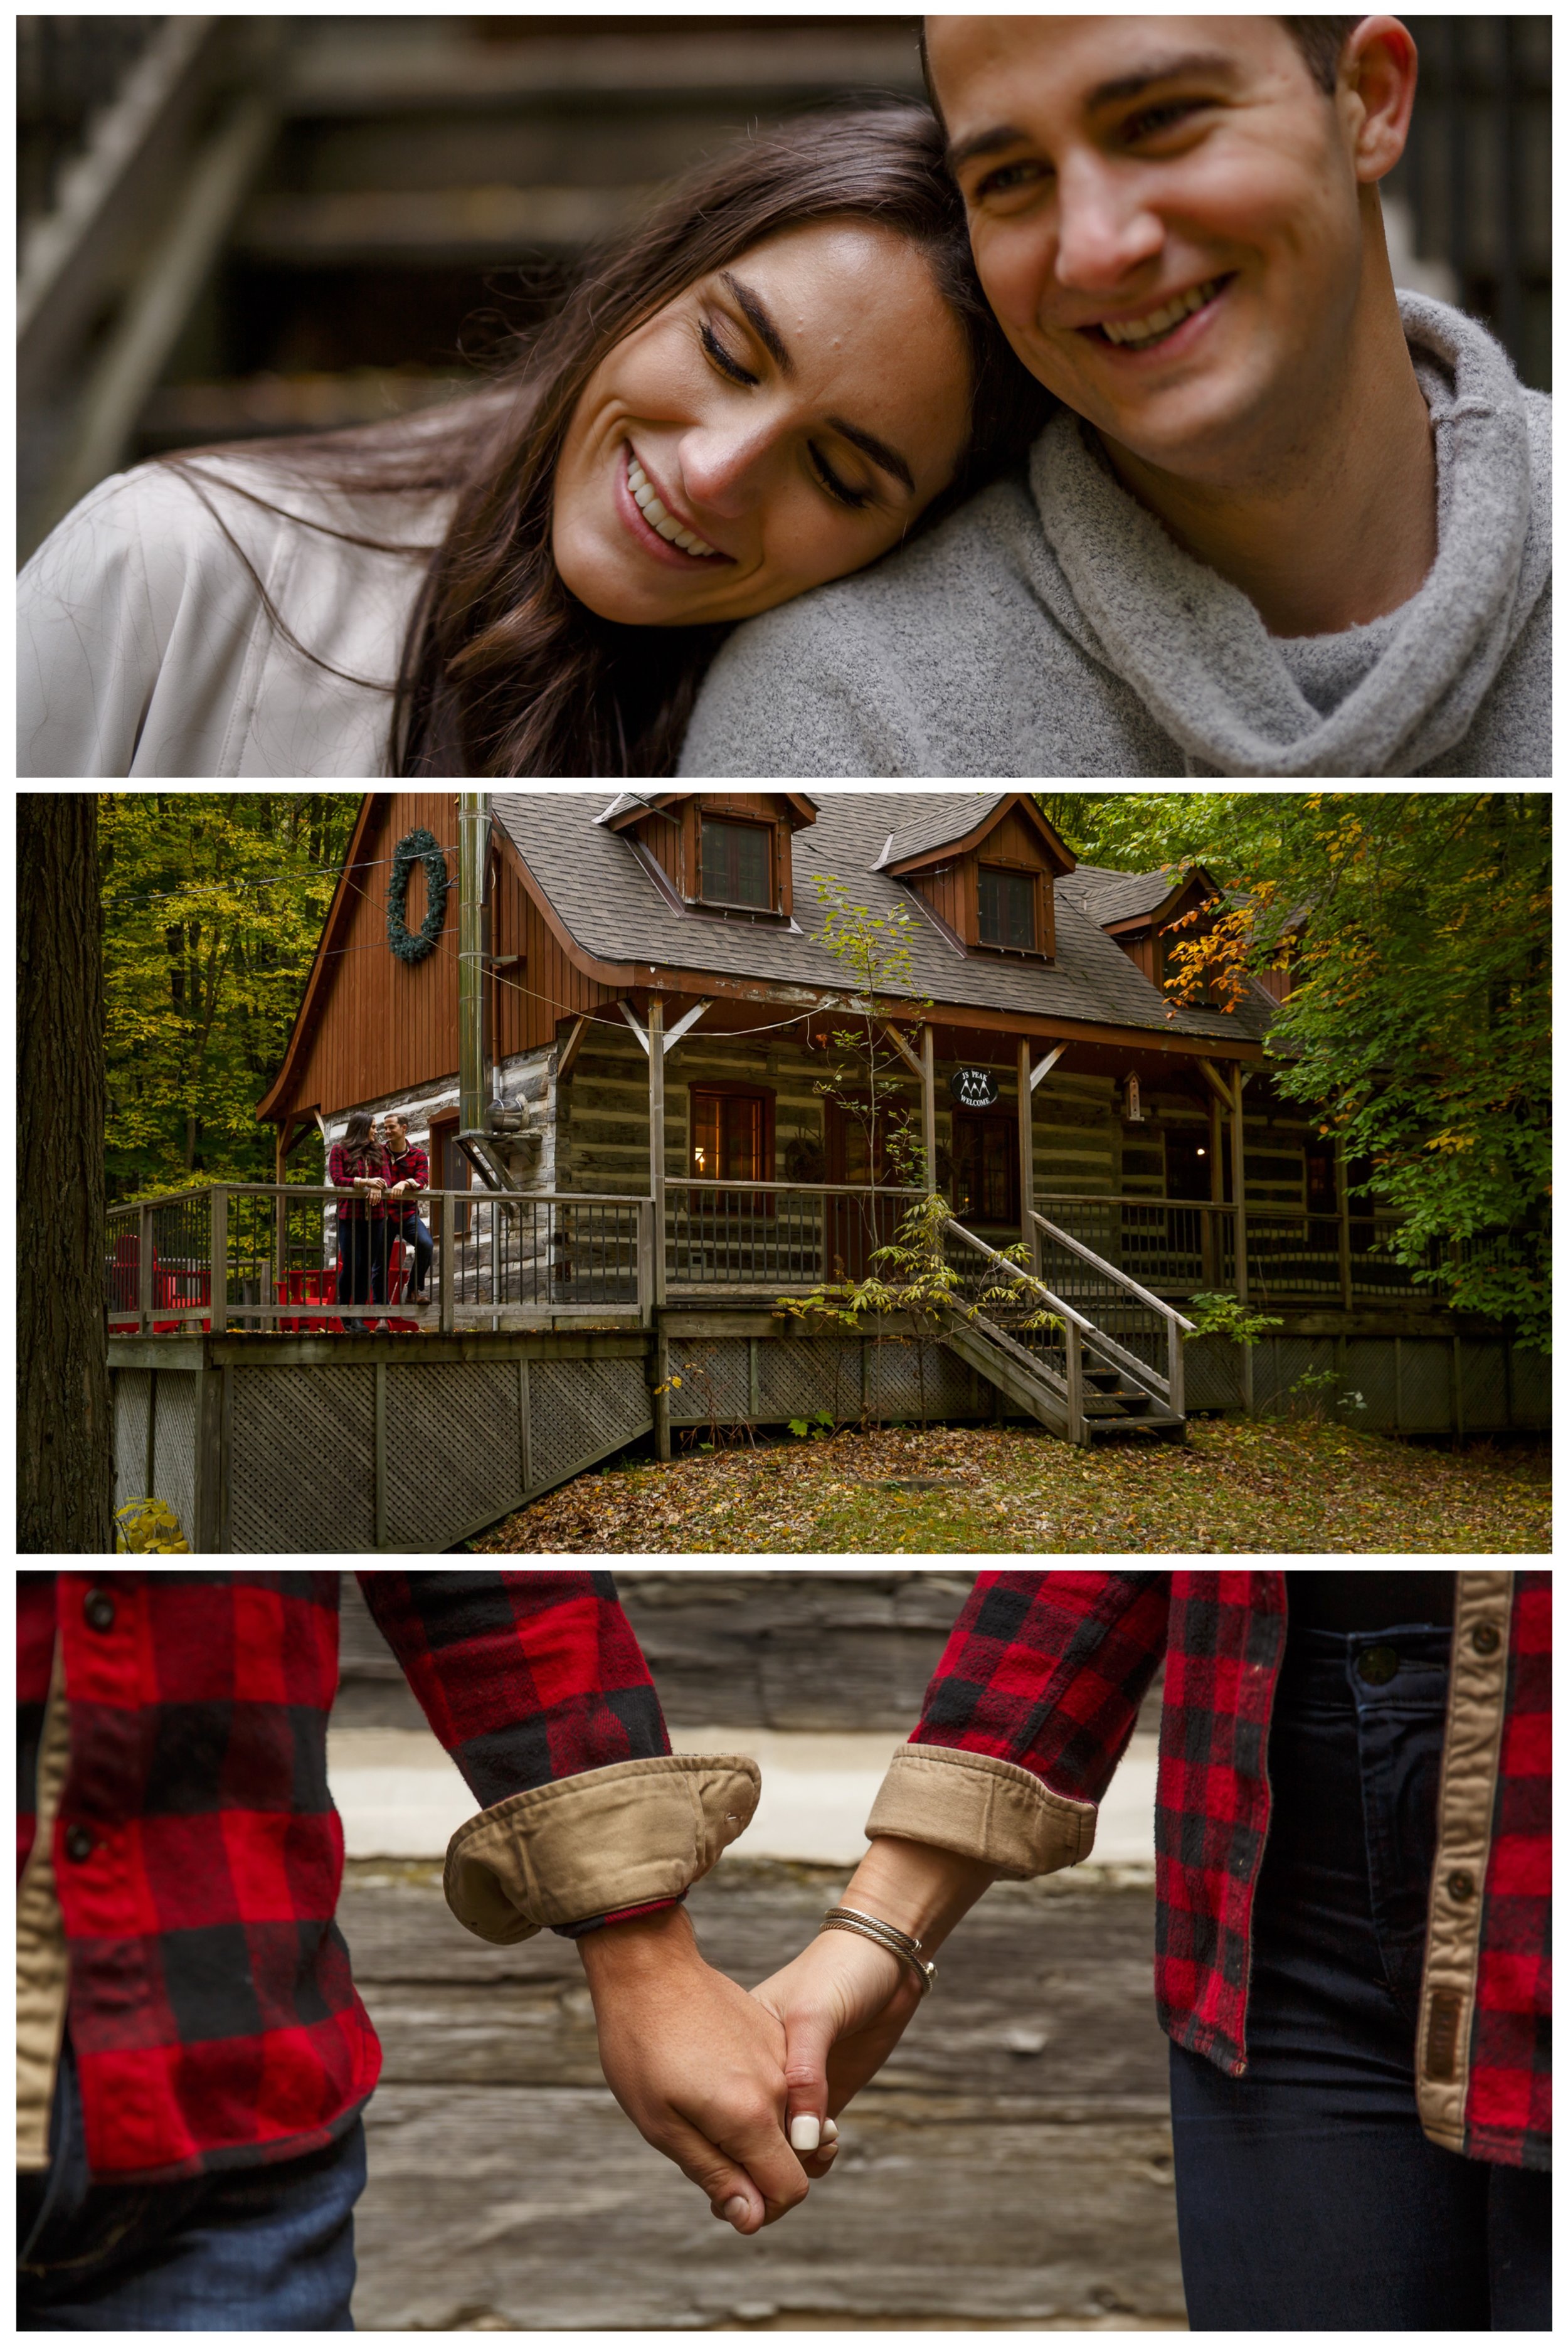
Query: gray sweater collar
[{"x": 1385, "y": 699}]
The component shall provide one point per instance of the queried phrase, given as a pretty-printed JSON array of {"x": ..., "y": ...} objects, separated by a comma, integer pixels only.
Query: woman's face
[{"x": 779, "y": 423}]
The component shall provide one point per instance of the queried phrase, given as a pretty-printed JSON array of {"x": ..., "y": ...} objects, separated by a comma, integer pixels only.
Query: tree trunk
[{"x": 65, "y": 1439}]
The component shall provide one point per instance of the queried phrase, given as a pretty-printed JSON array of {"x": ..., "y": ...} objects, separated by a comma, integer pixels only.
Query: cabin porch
[{"x": 558, "y": 1329}]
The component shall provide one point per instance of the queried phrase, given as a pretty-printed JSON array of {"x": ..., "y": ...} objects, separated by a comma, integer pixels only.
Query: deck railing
[
  {"x": 263, "y": 1256},
  {"x": 1179, "y": 1247},
  {"x": 775, "y": 1237},
  {"x": 253, "y": 1255}
]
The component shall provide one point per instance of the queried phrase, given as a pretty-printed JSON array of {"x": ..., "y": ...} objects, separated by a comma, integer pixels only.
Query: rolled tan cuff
[
  {"x": 986, "y": 1808},
  {"x": 607, "y": 1838}
]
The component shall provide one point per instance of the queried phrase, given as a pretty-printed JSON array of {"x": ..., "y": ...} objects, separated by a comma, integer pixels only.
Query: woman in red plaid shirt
[
  {"x": 358, "y": 1165},
  {"x": 1352, "y": 1871}
]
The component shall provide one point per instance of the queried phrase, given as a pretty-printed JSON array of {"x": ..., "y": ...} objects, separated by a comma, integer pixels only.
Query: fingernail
[
  {"x": 830, "y": 2132},
  {"x": 805, "y": 2133},
  {"x": 737, "y": 2208}
]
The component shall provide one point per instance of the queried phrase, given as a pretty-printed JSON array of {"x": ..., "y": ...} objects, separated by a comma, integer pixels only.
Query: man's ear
[{"x": 1376, "y": 91}]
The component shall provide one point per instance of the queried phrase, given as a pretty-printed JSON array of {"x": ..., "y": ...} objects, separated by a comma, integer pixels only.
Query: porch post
[
  {"x": 928, "y": 1102},
  {"x": 656, "y": 1142},
  {"x": 1342, "y": 1207},
  {"x": 218, "y": 1276},
  {"x": 1026, "y": 1151},
  {"x": 1213, "y": 1225},
  {"x": 1239, "y": 1176},
  {"x": 1239, "y": 1180}
]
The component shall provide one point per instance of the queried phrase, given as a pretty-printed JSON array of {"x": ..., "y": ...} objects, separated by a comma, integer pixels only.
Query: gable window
[
  {"x": 1007, "y": 908},
  {"x": 730, "y": 1137},
  {"x": 736, "y": 863}
]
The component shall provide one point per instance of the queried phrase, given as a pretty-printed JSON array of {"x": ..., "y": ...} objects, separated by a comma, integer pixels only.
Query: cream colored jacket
[{"x": 145, "y": 646}]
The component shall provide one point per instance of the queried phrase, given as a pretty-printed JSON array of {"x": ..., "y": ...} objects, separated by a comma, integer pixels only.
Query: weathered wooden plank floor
[{"x": 1010, "y": 2170}]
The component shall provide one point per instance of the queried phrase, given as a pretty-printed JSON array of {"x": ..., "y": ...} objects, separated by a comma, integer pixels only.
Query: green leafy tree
[
  {"x": 213, "y": 904},
  {"x": 1414, "y": 927}
]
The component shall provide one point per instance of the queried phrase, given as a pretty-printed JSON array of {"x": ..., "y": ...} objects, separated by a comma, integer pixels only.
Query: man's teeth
[
  {"x": 1160, "y": 322},
  {"x": 655, "y": 511}
]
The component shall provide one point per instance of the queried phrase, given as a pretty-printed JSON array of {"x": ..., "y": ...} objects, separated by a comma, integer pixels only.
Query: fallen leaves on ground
[{"x": 1236, "y": 1485}]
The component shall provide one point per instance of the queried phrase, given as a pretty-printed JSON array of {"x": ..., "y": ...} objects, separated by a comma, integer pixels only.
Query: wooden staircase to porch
[{"x": 1083, "y": 1384}]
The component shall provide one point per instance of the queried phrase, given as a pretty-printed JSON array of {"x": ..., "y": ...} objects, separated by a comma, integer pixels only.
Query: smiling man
[{"x": 1287, "y": 520}]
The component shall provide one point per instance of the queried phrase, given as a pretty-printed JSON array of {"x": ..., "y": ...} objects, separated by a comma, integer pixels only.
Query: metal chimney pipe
[{"x": 473, "y": 843}]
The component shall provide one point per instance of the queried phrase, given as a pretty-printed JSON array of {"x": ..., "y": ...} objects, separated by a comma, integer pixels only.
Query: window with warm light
[
  {"x": 736, "y": 863},
  {"x": 1007, "y": 908},
  {"x": 729, "y": 1136}
]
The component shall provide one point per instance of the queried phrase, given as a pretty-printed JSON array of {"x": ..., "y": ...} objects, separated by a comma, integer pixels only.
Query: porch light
[{"x": 1134, "y": 1105}]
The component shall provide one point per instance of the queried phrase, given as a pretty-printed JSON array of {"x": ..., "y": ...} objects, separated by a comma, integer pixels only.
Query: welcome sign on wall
[{"x": 975, "y": 1088}]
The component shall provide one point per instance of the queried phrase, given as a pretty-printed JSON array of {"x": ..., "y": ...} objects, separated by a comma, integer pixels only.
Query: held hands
[
  {"x": 843, "y": 2005},
  {"x": 697, "y": 2065},
  {"x": 741, "y": 2089}
]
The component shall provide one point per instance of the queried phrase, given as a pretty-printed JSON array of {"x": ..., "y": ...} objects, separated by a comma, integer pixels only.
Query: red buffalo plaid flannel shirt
[
  {"x": 412, "y": 1167},
  {"x": 1047, "y": 1671},
  {"x": 197, "y": 1851},
  {"x": 342, "y": 1176}
]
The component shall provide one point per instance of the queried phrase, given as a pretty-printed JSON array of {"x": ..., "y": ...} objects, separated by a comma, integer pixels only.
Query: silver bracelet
[{"x": 887, "y": 1937}]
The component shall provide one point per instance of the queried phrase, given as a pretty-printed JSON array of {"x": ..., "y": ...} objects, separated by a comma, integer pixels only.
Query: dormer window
[
  {"x": 736, "y": 864},
  {"x": 1007, "y": 908},
  {"x": 986, "y": 863}
]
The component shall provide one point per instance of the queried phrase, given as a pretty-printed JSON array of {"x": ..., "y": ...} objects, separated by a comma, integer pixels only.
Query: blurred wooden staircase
[{"x": 239, "y": 226}]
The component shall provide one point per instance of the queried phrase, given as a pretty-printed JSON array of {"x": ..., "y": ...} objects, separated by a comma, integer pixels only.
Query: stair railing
[
  {"x": 1079, "y": 1334},
  {"x": 1115, "y": 1296}
]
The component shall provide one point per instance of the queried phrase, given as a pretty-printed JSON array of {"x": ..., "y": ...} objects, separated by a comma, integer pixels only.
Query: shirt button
[
  {"x": 1486, "y": 1639},
  {"x": 98, "y": 1608},
  {"x": 1462, "y": 1885},
  {"x": 79, "y": 1842},
  {"x": 1378, "y": 1665}
]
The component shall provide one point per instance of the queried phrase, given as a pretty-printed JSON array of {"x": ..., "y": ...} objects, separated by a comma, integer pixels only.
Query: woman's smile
[
  {"x": 773, "y": 426},
  {"x": 656, "y": 521}
]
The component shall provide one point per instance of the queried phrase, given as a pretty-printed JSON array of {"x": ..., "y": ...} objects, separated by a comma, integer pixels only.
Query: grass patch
[{"x": 1242, "y": 1486}]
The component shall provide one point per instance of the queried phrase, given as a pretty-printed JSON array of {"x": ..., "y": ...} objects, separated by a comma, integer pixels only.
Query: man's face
[
  {"x": 1165, "y": 216},
  {"x": 396, "y": 1133}
]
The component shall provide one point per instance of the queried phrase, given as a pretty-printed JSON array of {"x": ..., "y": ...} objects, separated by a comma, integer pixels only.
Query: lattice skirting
[
  {"x": 731, "y": 1380},
  {"x": 302, "y": 1468},
  {"x": 415, "y": 1455}
]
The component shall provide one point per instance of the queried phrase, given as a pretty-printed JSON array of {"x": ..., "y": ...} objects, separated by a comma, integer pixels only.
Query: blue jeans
[
  {"x": 1307, "y": 2197},
  {"x": 413, "y": 1234},
  {"x": 264, "y": 2249}
]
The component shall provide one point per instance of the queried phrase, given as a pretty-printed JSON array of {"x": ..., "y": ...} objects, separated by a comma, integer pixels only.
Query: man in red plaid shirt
[
  {"x": 1353, "y": 1883},
  {"x": 408, "y": 1174},
  {"x": 192, "y": 2057}
]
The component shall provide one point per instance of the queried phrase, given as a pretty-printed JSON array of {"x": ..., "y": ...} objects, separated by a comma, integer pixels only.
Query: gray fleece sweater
[{"x": 1054, "y": 628}]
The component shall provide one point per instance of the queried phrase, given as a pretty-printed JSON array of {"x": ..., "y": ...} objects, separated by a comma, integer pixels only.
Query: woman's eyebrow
[
  {"x": 762, "y": 325},
  {"x": 877, "y": 450}
]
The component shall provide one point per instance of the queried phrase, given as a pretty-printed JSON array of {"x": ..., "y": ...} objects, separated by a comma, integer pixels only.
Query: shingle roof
[
  {"x": 1118, "y": 896},
  {"x": 936, "y": 819},
  {"x": 608, "y": 905}
]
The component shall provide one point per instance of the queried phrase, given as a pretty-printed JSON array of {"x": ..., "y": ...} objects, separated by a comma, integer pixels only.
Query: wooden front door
[{"x": 985, "y": 1169}]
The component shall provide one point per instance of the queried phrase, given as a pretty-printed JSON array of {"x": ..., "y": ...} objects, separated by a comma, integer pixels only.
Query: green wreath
[{"x": 420, "y": 848}]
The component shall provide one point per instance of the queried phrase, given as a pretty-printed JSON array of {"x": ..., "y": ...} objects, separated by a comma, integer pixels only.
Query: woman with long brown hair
[
  {"x": 782, "y": 372},
  {"x": 357, "y": 1165}
]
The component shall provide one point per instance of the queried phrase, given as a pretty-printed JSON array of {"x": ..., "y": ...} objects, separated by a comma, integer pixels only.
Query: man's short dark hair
[{"x": 1320, "y": 40}]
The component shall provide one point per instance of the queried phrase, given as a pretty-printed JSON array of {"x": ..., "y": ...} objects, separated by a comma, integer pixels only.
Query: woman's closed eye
[
  {"x": 829, "y": 481},
  {"x": 723, "y": 359}
]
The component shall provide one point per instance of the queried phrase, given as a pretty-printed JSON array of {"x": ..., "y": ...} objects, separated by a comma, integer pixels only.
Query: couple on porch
[
  {"x": 1352, "y": 1936},
  {"x": 1071, "y": 426},
  {"x": 386, "y": 1171}
]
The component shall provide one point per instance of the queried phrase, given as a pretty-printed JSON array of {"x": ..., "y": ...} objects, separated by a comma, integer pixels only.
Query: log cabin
[{"x": 617, "y": 1023}]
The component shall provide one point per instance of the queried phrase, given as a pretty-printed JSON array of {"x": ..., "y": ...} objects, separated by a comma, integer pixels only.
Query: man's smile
[{"x": 1158, "y": 324}]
